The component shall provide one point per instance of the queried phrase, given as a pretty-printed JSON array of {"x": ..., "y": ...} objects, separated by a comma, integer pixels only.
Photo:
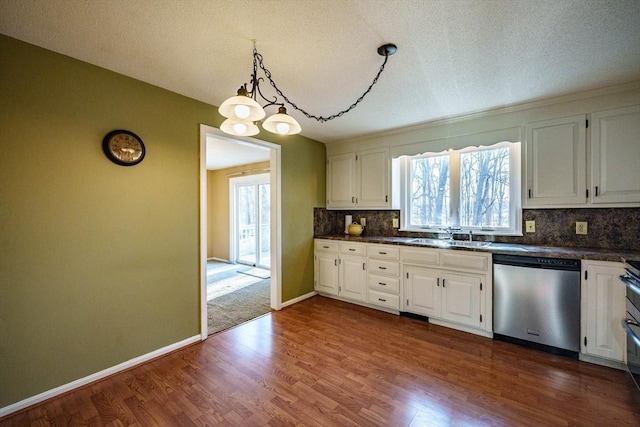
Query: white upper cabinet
[
  {"x": 373, "y": 178},
  {"x": 341, "y": 181},
  {"x": 359, "y": 180},
  {"x": 615, "y": 155},
  {"x": 556, "y": 162}
]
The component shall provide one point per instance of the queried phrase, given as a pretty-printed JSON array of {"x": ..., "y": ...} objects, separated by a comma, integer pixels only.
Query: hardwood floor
[{"x": 322, "y": 362}]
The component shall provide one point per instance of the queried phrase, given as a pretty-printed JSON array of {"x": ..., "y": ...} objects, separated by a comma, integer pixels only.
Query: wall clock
[{"x": 123, "y": 147}]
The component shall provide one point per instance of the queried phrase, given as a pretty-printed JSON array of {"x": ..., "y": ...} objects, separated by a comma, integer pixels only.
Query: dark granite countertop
[{"x": 504, "y": 248}]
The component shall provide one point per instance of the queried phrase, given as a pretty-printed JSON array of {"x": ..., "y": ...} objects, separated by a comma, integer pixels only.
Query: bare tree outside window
[
  {"x": 472, "y": 188},
  {"x": 484, "y": 188},
  {"x": 430, "y": 190}
]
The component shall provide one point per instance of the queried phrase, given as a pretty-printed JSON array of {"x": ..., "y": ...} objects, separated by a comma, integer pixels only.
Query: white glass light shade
[
  {"x": 282, "y": 123},
  {"x": 239, "y": 127},
  {"x": 241, "y": 108}
]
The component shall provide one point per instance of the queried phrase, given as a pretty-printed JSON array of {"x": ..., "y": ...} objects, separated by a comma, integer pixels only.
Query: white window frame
[{"x": 515, "y": 208}]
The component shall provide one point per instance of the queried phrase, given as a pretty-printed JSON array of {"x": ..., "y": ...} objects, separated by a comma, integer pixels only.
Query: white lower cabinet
[
  {"x": 422, "y": 291},
  {"x": 340, "y": 269},
  {"x": 353, "y": 277},
  {"x": 383, "y": 276},
  {"x": 602, "y": 310},
  {"x": 449, "y": 287},
  {"x": 326, "y": 267},
  {"x": 461, "y": 299},
  {"x": 437, "y": 294}
]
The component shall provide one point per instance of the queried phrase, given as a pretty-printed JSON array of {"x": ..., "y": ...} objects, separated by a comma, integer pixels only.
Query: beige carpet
[{"x": 239, "y": 306}]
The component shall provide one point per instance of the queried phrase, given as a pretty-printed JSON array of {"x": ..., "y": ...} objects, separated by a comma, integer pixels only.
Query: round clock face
[{"x": 123, "y": 147}]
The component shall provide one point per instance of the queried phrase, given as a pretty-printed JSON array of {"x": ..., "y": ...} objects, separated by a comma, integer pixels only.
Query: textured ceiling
[{"x": 454, "y": 57}]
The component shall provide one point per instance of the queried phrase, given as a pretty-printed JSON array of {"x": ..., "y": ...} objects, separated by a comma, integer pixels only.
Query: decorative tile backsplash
[{"x": 610, "y": 228}]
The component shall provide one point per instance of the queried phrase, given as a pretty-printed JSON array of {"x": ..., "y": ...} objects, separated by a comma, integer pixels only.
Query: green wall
[{"x": 98, "y": 262}]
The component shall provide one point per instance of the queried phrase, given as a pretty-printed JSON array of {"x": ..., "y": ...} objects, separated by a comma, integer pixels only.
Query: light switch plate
[
  {"x": 530, "y": 226},
  {"x": 581, "y": 227},
  {"x": 395, "y": 223},
  {"x": 363, "y": 222}
]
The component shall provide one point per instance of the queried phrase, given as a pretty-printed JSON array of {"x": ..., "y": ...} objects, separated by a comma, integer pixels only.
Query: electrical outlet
[
  {"x": 581, "y": 227},
  {"x": 395, "y": 223},
  {"x": 363, "y": 222},
  {"x": 530, "y": 226}
]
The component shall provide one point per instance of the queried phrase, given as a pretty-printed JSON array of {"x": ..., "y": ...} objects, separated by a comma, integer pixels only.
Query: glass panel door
[
  {"x": 253, "y": 223},
  {"x": 246, "y": 220}
]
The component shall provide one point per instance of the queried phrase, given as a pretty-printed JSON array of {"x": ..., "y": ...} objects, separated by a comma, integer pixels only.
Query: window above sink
[{"x": 475, "y": 188}]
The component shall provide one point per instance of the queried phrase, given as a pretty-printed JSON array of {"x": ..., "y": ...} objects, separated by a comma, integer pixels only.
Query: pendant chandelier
[{"x": 243, "y": 112}]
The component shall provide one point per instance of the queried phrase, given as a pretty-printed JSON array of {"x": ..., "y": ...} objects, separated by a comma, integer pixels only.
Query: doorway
[{"x": 267, "y": 230}]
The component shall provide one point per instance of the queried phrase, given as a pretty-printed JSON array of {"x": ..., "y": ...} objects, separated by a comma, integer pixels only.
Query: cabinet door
[
  {"x": 556, "y": 162},
  {"x": 422, "y": 291},
  {"x": 341, "y": 181},
  {"x": 353, "y": 278},
  {"x": 326, "y": 270},
  {"x": 461, "y": 299},
  {"x": 373, "y": 179},
  {"x": 603, "y": 308},
  {"x": 615, "y": 155}
]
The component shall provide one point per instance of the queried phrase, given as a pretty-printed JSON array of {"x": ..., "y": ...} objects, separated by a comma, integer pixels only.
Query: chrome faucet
[
  {"x": 451, "y": 230},
  {"x": 470, "y": 235}
]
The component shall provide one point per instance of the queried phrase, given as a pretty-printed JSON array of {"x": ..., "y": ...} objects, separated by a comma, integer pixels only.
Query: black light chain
[{"x": 321, "y": 119}]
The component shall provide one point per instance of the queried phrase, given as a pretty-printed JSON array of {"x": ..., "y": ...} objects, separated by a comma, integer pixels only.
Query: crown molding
[{"x": 545, "y": 102}]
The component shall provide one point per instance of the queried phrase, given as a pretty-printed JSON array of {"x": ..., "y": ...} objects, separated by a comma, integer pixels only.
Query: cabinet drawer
[
  {"x": 358, "y": 249},
  {"x": 384, "y": 300},
  {"x": 383, "y": 252},
  {"x": 383, "y": 284},
  {"x": 468, "y": 262},
  {"x": 384, "y": 267},
  {"x": 419, "y": 256},
  {"x": 327, "y": 246}
]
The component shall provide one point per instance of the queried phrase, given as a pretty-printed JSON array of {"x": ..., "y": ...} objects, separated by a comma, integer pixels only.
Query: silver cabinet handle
[
  {"x": 629, "y": 331},
  {"x": 631, "y": 284}
]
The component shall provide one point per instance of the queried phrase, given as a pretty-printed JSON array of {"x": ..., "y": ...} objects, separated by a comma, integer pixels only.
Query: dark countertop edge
[{"x": 594, "y": 254}]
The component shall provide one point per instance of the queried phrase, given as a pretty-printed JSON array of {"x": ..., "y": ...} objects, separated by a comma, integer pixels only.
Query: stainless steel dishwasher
[{"x": 536, "y": 302}]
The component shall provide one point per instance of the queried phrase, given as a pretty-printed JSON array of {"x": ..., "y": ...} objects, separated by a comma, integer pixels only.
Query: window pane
[
  {"x": 429, "y": 200},
  {"x": 484, "y": 188},
  {"x": 265, "y": 227},
  {"x": 247, "y": 223}
]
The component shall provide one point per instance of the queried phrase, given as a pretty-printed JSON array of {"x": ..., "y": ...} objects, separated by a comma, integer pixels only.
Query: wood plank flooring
[{"x": 323, "y": 362}]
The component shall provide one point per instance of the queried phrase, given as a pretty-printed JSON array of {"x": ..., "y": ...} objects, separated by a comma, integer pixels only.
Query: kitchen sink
[{"x": 450, "y": 243}]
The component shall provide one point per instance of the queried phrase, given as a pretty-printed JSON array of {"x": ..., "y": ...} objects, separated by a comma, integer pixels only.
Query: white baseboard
[
  {"x": 297, "y": 300},
  {"x": 602, "y": 361},
  {"x": 30, "y": 401}
]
